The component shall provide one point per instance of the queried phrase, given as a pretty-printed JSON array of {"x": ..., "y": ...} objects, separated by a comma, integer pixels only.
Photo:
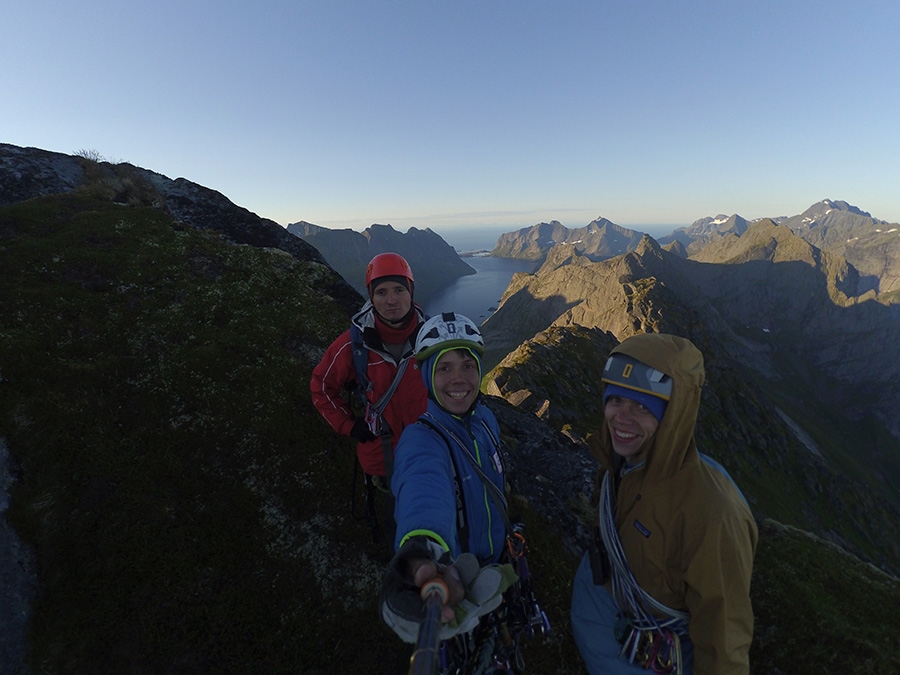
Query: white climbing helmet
[{"x": 448, "y": 330}]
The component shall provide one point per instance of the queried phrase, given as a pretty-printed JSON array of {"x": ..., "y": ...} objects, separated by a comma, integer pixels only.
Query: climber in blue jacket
[{"x": 452, "y": 450}]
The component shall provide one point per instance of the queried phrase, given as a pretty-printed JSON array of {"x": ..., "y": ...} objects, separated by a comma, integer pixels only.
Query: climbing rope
[{"x": 650, "y": 632}]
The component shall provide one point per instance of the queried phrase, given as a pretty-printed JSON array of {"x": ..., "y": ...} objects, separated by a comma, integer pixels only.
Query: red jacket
[{"x": 336, "y": 370}]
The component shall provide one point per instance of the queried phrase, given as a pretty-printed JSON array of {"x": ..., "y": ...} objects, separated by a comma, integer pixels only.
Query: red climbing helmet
[{"x": 388, "y": 265}]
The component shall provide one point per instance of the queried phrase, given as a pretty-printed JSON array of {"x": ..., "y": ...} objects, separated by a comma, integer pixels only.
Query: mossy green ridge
[{"x": 188, "y": 508}]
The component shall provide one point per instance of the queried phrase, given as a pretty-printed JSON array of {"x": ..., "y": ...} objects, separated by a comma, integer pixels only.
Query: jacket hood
[
  {"x": 377, "y": 332},
  {"x": 673, "y": 444},
  {"x": 365, "y": 317}
]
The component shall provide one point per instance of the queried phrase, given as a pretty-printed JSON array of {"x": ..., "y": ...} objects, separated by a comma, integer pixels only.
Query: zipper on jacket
[{"x": 487, "y": 504}]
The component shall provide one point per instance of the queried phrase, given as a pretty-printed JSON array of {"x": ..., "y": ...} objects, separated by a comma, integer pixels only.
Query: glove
[
  {"x": 361, "y": 432},
  {"x": 403, "y": 610},
  {"x": 484, "y": 593}
]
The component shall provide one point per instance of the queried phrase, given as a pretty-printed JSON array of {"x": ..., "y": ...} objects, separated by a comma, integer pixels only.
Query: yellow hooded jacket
[{"x": 685, "y": 528}]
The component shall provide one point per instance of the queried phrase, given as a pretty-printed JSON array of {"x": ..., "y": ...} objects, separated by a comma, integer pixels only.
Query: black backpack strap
[{"x": 360, "y": 359}]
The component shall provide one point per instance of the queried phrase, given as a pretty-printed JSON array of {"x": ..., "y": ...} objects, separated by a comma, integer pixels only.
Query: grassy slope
[
  {"x": 187, "y": 506},
  {"x": 818, "y": 610},
  {"x": 178, "y": 490}
]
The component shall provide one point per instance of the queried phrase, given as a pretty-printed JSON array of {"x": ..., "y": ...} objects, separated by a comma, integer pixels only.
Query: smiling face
[
  {"x": 630, "y": 426},
  {"x": 392, "y": 301},
  {"x": 455, "y": 381}
]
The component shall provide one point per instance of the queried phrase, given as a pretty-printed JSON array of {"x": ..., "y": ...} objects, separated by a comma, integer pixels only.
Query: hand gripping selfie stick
[{"x": 424, "y": 660}]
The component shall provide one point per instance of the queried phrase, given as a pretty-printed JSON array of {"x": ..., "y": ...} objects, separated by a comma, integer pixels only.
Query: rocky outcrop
[
  {"x": 434, "y": 262},
  {"x": 549, "y": 470},
  {"x": 599, "y": 240},
  {"x": 18, "y": 576},
  {"x": 30, "y": 172},
  {"x": 555, "y": 376}
]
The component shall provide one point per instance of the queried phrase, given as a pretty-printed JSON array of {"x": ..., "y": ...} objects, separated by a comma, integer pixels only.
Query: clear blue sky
[{"x": 433, "y": 113}]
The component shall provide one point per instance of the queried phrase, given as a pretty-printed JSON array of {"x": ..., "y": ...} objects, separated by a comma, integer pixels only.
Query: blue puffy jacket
[{"x": 424, "y": 484}]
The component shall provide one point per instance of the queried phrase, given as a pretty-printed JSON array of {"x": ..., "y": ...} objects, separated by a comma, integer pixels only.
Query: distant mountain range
[
  {"x": 433, "y": 261},
  {"x": 870, "y": 245},
  {"x": 705, "y": 230},
  {"x": 600, "y": 239}
]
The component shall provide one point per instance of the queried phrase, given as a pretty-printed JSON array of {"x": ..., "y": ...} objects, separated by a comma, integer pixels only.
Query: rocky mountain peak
[
  {"x": 826, "y": 206},
  {"x": 676, "y": 247},
  {"x": 600, "y": 222},
  {"x": 599, "y": 240},
  {"x": 717, "y": 225},
  {"x": 434, "y": 262}
]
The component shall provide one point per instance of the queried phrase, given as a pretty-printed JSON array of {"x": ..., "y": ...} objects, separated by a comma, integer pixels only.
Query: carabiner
[{"x": 373, "y": 420}]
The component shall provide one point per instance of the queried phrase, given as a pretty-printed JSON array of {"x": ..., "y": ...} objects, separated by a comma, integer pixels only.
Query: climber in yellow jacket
[{"x": 666, "y": 585}]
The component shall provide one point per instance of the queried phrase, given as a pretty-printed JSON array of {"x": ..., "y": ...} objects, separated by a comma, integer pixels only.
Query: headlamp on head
[{"x": 626, "y": 371}]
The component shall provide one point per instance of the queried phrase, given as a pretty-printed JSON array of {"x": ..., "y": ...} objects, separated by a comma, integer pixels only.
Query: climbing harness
[
  {"x": 373, "y": 411},
  {"x": 648, "y": 631},
  {"x": 496, "y": 642}
]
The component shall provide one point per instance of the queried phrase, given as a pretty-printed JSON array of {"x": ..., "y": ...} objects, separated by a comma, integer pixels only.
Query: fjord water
[{"x": 474, "y": 295}]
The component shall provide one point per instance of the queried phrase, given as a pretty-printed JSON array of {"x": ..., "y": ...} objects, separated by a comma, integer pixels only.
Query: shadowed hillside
[
  {"x": 434, "y": 262},
  {"x": 155, "y": 398}
]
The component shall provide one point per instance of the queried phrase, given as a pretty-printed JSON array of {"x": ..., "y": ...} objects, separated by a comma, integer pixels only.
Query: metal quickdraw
[
  {"x": 373, "y": 419},
  {"x": 655, "y": 650},
  {"x": 495, "y": 645},
  {"x": 535, "y": 620},
  {"x": 647, "y": 629}
]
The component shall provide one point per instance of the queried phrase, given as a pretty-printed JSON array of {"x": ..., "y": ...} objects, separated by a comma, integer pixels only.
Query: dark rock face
[
  {"x": 30, "y": 172},
  {"x": 434, "y": 262},
  {"x": 550, "y": 470},
  {"x": 18, "y": 576}
]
